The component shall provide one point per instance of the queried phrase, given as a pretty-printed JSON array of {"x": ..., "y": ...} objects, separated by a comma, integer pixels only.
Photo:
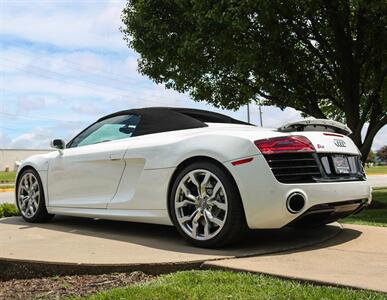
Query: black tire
[
  {"x": 41, "y": 215},
  {"x": 235, "y": 223}
]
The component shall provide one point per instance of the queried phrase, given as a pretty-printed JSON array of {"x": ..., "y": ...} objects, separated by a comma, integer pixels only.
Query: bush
[{"x": 8, "y": 210}]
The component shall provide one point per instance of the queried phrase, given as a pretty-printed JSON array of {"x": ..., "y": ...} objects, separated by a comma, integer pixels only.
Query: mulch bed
[{"x": 65, "y": 286}]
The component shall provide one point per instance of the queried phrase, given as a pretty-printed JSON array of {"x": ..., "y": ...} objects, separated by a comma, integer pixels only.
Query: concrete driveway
[
  {"x": 357, "y": 257},
  {"x": 353, "y": 256},
  {"x": 70, "y": 244}
]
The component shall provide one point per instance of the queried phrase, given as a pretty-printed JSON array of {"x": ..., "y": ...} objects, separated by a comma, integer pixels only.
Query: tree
[
  {"x": 382, "y": 153},
  {"x": 325, "y": 58},
  {"x": 370, "y": 157}
]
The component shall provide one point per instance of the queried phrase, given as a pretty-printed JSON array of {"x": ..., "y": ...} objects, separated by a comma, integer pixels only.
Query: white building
[{"x": 8, "y": 157}]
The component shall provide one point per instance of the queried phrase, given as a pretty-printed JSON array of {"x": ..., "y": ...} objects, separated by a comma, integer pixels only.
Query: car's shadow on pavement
[{"x": 257, "y": 242}]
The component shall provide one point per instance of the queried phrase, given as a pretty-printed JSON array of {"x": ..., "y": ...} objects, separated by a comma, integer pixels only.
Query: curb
[
  {"x": 18, "y": 269},
  {"x": 7, "y": 190}
]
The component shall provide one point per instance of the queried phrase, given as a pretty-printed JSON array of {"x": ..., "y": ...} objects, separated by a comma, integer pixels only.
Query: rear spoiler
[{"x": 316, "y": 125}]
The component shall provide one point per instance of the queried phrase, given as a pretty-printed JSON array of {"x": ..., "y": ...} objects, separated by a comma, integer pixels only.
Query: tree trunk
[{"x": 373, "y": 129}]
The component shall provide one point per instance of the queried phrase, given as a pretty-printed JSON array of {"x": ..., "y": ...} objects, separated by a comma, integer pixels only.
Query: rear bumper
[
  {"x": 328, "y": 212},
  {"x": 264, "y": 198}
]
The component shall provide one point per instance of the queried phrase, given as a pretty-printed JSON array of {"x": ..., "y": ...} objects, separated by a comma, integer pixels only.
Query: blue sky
[{"x": 63, "y": 64}]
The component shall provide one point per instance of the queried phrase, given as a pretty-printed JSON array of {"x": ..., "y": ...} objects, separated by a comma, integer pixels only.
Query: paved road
[
  {"x": 7, "y": 184},
  {"x": 7, "y": 197},
  {"x": 357, "y": 257},
  {"x": 378, "y": 180}
]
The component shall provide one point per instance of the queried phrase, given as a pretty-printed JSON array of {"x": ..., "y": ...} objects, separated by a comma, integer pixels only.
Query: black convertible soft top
[{"x": 162, "y": 119}]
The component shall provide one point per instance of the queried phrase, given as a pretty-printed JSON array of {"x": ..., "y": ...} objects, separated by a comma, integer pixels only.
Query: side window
[{"x": 115, "y": 128}]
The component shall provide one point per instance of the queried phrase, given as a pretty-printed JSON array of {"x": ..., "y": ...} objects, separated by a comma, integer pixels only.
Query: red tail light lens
[{"x": 295, "y": 143}]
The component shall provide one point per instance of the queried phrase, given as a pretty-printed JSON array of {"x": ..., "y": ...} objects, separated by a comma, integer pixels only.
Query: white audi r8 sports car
[{"x": 209, "y": 175}]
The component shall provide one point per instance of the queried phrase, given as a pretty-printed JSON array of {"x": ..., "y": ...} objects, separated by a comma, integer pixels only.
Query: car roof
[{"x": 163, "y": 119}]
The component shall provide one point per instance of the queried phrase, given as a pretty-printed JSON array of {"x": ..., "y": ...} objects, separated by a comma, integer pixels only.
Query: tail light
[{"x": 287, "y": 144}]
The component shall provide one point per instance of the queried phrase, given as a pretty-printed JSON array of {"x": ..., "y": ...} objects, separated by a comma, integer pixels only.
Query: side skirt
[{"x": 143, "y": 216}]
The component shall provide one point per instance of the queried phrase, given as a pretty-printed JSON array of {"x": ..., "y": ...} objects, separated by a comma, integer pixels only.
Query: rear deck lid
[
  {"x": 325, "y": 135},
  {"x": 316, "y": 125},
  {"x": 328, "y": 142}
]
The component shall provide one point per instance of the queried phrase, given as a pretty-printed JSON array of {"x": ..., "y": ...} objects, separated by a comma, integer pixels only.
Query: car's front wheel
[
  {"x": 30, "y": 197},
  {"x": 205, "y": 205}
]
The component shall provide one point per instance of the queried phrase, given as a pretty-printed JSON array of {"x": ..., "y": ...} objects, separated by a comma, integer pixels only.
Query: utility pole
[
  {"x": 248, "y": 113},
  {"x": 260, "y": 113}
]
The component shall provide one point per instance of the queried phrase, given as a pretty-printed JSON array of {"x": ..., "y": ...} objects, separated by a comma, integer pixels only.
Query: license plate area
[{"x": 341, "y": 164}]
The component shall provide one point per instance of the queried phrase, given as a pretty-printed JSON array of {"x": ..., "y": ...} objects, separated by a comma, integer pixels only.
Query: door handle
[{"x": 117, "y": 156}]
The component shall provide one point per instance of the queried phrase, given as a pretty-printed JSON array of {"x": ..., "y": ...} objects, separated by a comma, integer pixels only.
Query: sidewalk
[{"x": 356, "y": 258}]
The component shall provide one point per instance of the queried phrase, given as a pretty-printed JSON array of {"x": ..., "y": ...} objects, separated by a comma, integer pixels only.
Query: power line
[
  {"x": 37, "y": 118},
  {"x": 48, "y": 74},
  {"x": 23, "y": 131},
  {"x": 99, "y": 71}
]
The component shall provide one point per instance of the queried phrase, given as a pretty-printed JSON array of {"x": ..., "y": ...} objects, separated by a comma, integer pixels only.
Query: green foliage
[
  {"x": 370, "y": 157},
  {"x": 229, "y": 285},
  {"x": 382, "y": 153},
  {"x": 324, "y": 58},
  {"x": 7, "y": 177},
  {"x": 8, "y": 210}
]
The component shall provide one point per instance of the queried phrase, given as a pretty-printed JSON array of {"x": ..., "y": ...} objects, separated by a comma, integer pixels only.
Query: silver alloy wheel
[
  {"x": 201, "y": 204},
  {"x": 28, "y": 195}
]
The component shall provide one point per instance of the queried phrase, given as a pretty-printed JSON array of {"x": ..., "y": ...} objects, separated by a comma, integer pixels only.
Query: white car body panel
[
  {"x": 318, "y": 125},
  {"x": 129, "y": 179},
  {"x": 266, "y": 197},
  {"x": 85, "y": 176},
  {"x": 324, "y": 143}
]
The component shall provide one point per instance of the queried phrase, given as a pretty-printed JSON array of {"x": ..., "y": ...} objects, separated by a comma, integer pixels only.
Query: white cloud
[
  {"x": 274, "y": 117},
  {"x": 29, "y": 141},
  {"x": 64, "y": 64},
  {"x": 69, "y": 24},
  {"x": 38, "y": 138},
  {"x": 4, "y": 140},
  {"x": 28, "y": 104}
]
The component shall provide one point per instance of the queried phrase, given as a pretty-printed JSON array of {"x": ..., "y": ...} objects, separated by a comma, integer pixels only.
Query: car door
[{"x": 88, "y": 172}]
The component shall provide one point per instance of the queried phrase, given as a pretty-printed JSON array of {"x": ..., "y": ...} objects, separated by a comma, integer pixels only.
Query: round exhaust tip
[{"x": 295, "y": 202}]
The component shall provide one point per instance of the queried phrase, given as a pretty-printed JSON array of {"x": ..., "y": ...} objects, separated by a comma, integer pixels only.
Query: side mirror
[{"x": 58, "y": 144}]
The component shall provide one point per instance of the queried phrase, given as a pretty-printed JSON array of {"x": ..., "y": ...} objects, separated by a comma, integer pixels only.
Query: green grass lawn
[
  {"x": 7, "y": 177},
  {"x": 372, "y": 216},
  {"x": 6, "y": 187},
  {"x": 228, "y": 285},
  {"x": 8, "y": 210},
  {"x": 376, "y": 170}
]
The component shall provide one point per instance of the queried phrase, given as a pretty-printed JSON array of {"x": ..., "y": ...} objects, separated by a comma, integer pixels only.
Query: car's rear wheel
[
  {"x": 30, "y": 197},
  {"x": 205, "y": 205}
]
